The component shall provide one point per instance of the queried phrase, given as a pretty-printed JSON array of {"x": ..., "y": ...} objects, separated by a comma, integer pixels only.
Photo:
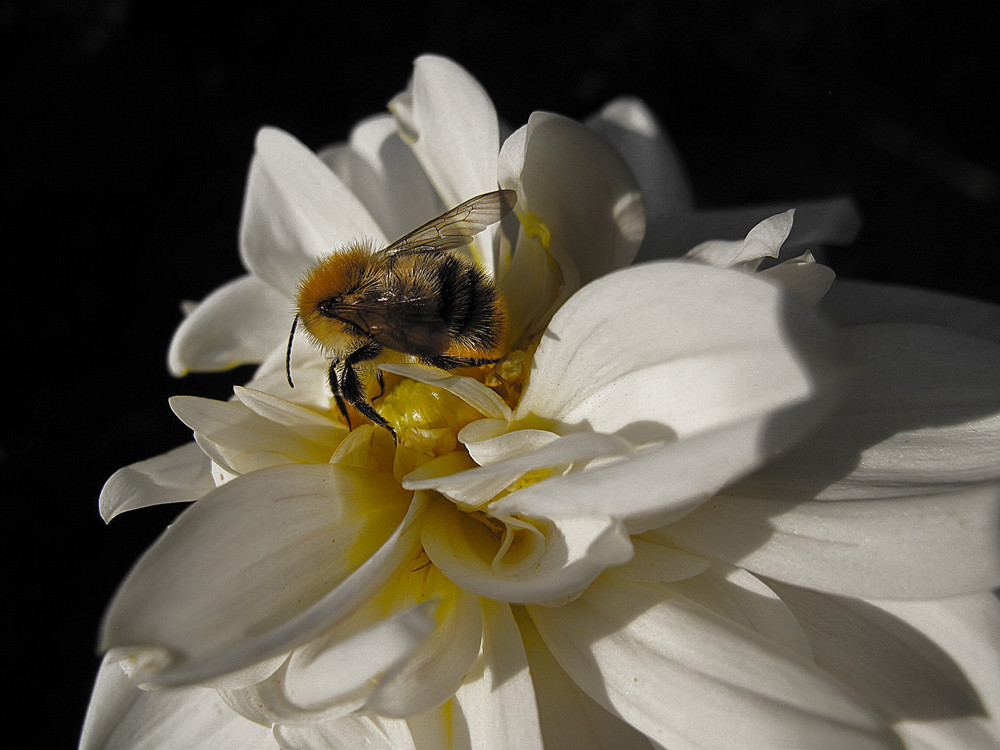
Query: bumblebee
[{"x": 415, "y": 297}]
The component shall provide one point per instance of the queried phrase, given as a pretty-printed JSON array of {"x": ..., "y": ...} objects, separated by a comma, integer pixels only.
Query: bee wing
[{"x": 458, "y": 226}]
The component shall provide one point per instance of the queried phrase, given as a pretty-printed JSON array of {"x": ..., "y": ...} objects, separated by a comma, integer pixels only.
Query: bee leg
[
  {"x": 381, "y": 385},
  {"x": 335, "y": 389},
  {"x": 350, "y": 385},
  {"x": 450, "y": 363}
]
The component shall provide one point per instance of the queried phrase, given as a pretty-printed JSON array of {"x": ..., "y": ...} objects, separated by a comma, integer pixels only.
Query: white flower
[{"x": 683, "y": 512}]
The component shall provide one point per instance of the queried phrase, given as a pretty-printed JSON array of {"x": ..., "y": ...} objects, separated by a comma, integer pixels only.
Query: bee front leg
[{"x": 350, "y": 387}]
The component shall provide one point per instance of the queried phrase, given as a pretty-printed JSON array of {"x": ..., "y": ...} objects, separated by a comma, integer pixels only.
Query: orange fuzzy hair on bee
[{"x": 340, "y": 273}]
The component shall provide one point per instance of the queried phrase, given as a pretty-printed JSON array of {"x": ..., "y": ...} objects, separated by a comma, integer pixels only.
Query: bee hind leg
[
  {"x": 349, "y": 386},
  {"x": 446, "y": 362}
]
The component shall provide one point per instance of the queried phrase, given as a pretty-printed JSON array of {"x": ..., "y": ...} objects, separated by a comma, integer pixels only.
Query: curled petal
[
  {"x": 325, "y": 538},
  {"x": 238, "y": 323},
  {"x": 180, "y": 475},
  {"x": 358, "y": 660},
  {"x": 576, "y": 191},
  {"x": 296, "y": 210},
  {"x": 443, "y": 660},
  {"x": 834, "y": 221},
  {"x": 540, "y": 562},
  {"x": 763, "y": 241},
  {"x": 672, "y": 667}
]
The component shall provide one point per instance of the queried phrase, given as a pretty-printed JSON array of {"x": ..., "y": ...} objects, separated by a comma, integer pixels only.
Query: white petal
[
  {"x": 638, "y": 136},
  {"x": 907, "y": 547},
  {"x": 941, "y": 677},
  {"x": 744, "y": 599},
  {"x": 803, "y": 277},
  {"x": 671, "y": 668},
  {"x": 679, "y": 344},
  {"x": 383, "y": 172},
  {"x": 474, "y": 487},
  {"x": 180, "y": 475},
  {"x": 722, "y": 370},
  {"x": 571, "y": 183},
  {"x": 569, "y": 717},
  {"x": 967, "y": 629},
  {"x": 857, "y": 302},
  {"x": 471, "y": 391},
  {"x": 451, "y": 125},
  {"x": 260, "y": 565},
  {"x": 920, "y": 414},
  {"x": 296, "y": 210},
  {"x": 437, "y": 668},
  {"x": 558, "y": 560},
  {"x": 319, "y": 676},
  {"x": 240, "y": 322},
  {"x": 123, "y": 717},
  {"x": 763, "y": 241},
  {"x": 303, "y": 421},
  {"x": 240, "y": 440},
  {"x": 498, "y": 698},
  {"x": 352, "y": 731},
  {"x": 834, "y": 221}
]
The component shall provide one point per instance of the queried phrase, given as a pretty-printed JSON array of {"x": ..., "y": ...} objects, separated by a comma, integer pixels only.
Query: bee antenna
[{"x": 288, "y": 352}]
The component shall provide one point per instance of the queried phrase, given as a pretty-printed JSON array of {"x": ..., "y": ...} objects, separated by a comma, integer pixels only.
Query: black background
[{"x": 129, "y": 128}]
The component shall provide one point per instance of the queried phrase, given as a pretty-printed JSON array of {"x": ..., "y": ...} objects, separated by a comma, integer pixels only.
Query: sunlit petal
[
  {"x": 238, "y": 323},
  {"x": 499, "y": 699},
  {"x": 569, "y": 717},
  {"x": 241, "y": 440},
  {"x": 449, "y": 121},
  {"x": 934, "y": 665},
  {"x": 763, "y": 241},
  {"x": 554, "y": 559},
  {"x": 574, "y": 183},
  {"x": 672, "y": 667},
  {"x": 834, "y": 221},
  {"x": 921, "y": 413},
  {"x": 436, "y": 669},
  {"x": 802, "y": 277},
  {"x": 296, "y": 210},
  {"x": 123, "y": 717},
  {"x": 351, "y": 731},
  {"x": 383, "y": 172},
  {"x": 935, "y": 545},
  {"x": 344, "y": 526},
  {"x": 180, "y": 475}
]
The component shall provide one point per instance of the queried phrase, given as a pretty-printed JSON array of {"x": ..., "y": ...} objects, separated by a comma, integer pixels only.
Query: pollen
[
  {"x": 425, "y": 418},
  {"x": 535, "y": 228}
]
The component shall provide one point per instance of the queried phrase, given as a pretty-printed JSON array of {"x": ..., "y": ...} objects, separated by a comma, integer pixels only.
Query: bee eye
[{"x": 326, "y": 307}]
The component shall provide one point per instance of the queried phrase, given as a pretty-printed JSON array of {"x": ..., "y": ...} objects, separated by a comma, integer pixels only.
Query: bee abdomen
[{"x": 470, "y": 306}]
